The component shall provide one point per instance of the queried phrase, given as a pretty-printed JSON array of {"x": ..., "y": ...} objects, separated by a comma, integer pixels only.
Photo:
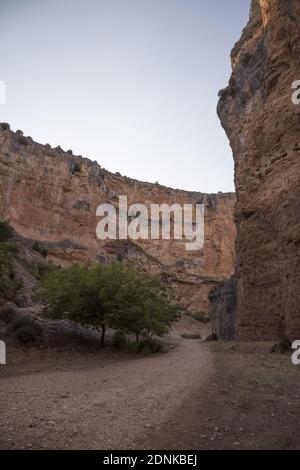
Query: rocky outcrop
[
  {"x": 50, "y": 196},
  {"x": 263, "y": 126},
  {"x": 223, "y": 310}
]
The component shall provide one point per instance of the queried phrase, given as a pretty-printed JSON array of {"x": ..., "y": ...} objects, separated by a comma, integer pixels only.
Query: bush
[
  {"x": 282, "y": 347},
  {"x": 8, "y": 288},
  {"x": 274, "y": 349},
  {"x": 7, "y": 314},
  {"x": 40, "y": 270},
  {"x": 144, "y": 346},
  {"x": 148, "y": 346},
  {"x": 191, "y": 336},
  {"x": 40, "y": 249},
  {"x": 132, "y": 347},
  {"x": 285, "y": 345},
  {"x": 119, "y": 339},
  {"x": 212, "y": 337},
  {"x": 6, "y": 232},
  {"x": 8, "y": 284},
  {"x": 76, "y": 168},
  {"x": 26, "y": 334},
  {"x": 25, "y": 330}
]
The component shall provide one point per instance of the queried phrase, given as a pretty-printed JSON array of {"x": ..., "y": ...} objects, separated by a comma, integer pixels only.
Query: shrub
[
  {"x": 40, "y": 249},
  {"x": 7, "y": 314},
  {"x": 8, "y": 288},
  {"x": 26, "y": 334},
  {"x": 25, "y": 329},
  {"x": 191, "y": 336},
  {"x": 144, "y": 346},
  {"x": 282, "y": 347},
  {"x": 148, "y": 346},
  {"x": 132, "y": 347},
  {"x": 40, "y": 270},
  {"x": 119, "y": 339},
  {"x": 8, "y": 284},
  {"x": 6, "y": 232},
  {"x": 212, "y": 337},
  {"x": 76, "y": 168}
]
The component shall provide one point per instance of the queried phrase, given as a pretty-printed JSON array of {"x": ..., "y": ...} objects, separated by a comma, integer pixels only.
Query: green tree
[
  {"x": 144, "y": 306},
  {"x": 114, "y": 296},
  {"x": 81, "y": 293}
]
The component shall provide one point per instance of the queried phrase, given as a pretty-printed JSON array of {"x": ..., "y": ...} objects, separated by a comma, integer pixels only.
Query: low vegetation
[
  {"x": 283, "y": 346},
  {"x": 40, "y": 249},
  {"x": 127, "y": 300},
  {"x": 8, "y": 313},
  {"x": 212, "y": 337},
  {"x": 191, "y": 336},
  {"x": 121, "y": 340},
  {"x": 24, "y": 328},
  {"x": 40, "y": 269},
  {"x": 9, "y": 286},
  {"x": 6, "y": 232}
]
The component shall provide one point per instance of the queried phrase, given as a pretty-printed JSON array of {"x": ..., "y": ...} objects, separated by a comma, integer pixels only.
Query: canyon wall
[
  {"x": 50, "y": 196},
  {"x": 263, "y": 126}
]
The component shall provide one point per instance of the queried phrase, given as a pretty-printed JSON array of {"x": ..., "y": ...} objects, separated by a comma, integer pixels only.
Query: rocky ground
[{"x": 197, "y": 395}]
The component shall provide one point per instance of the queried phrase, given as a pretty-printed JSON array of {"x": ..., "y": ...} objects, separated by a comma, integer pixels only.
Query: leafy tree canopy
[{"x": 114, "y": 296}]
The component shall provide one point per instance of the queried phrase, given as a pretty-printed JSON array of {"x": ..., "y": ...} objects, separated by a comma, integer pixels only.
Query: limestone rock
[
  {"x": 263, "y": 126},
  {"x": 51, "y": 196},
  {"x": 223, "y": 310}
]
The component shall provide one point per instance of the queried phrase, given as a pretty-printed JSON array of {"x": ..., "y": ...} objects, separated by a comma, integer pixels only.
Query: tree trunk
[
  {"x": 137, "y": 337},
  {"x": 102, "y": 335}
]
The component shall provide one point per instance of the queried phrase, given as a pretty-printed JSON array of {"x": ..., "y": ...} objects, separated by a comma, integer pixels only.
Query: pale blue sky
[{"x": 130, "y": 83}]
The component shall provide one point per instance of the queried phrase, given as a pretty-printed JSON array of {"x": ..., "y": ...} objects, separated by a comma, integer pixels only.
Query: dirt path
[
  {"x": 251, "y": 402},
  {"x": 94, "y": 402},
  {"x": 197, "y": 396}
]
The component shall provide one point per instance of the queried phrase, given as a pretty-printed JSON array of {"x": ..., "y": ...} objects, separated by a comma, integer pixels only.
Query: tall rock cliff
[
  {"x": 51, "y": 196},
  {"x": 263, "y": 126}
]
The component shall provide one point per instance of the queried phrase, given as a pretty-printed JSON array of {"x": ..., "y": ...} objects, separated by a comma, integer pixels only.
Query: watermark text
[{"x": 162, "y": 221}]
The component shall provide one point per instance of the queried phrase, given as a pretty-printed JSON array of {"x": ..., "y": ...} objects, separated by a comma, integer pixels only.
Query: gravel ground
[
  {"x": 252, "y": 402},
  {"x": 197, "y": 395},
  {"x": 95, "y": 400}
]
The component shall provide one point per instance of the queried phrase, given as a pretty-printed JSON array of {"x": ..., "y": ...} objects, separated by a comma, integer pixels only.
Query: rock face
[
  {"x": 223, "y": 310},
  {"x": 263, "y": 126},
  {"x": 51, "y": 196}
]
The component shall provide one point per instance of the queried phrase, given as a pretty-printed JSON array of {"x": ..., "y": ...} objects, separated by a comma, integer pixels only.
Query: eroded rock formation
[
  {"x": 223, "y": 310},
  {"x": 263, "y": 126},
  {"x": 51, "y": 196}
]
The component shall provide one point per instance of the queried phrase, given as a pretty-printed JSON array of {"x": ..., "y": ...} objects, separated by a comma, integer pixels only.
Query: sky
[{"x": 132, "y": 84}]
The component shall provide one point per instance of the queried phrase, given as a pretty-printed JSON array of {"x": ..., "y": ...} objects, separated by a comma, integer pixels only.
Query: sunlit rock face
[
  {"x": 263, "y": 125},
  {"x": 51, "y": 196}
]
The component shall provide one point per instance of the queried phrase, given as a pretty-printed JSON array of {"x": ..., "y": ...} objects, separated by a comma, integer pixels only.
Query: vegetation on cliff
[{"x": 8, "y": 284}]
